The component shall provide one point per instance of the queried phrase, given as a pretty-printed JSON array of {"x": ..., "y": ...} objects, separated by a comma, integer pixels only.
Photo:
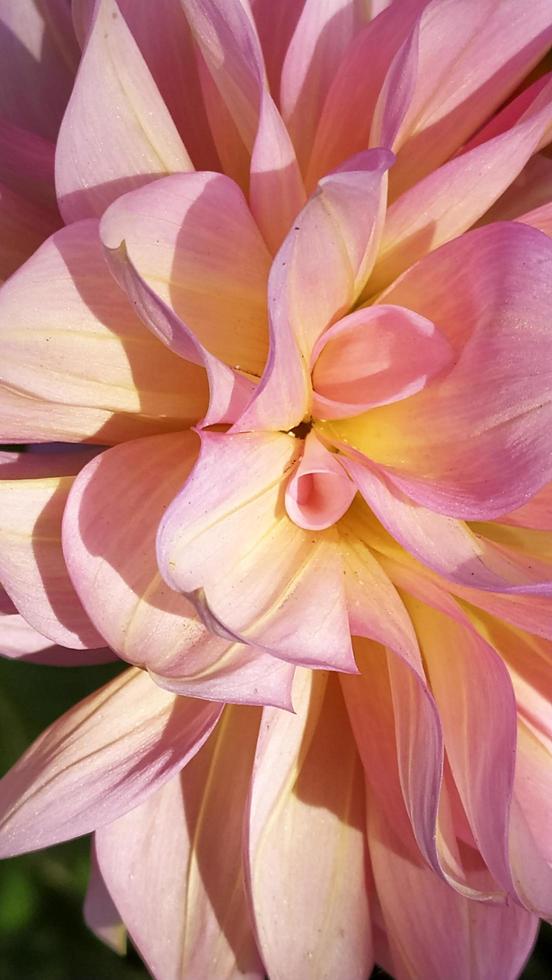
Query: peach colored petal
[
  {"x": 227, "y": 543},
  {"x": 305, "y": 821},
  {"x": 191, "y": 237},
  {"x": 117, "y": 133},
  {"x": 77, "y": 362},
  {"x": 474, "y": 443},
  {"x": 460, "y": 939},
  {"x": 110, "y": 523},
  {"x": 173, "y": 865},
  {"x": 32, "y": 569},
  {"x": 316, "y": 277},
  {"x": 99, "y": 760},
  {"x": 162, "y": 34}
]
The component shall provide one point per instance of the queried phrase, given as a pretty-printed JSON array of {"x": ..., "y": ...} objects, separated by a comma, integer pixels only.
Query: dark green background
[{"x": 42, "y": 934}]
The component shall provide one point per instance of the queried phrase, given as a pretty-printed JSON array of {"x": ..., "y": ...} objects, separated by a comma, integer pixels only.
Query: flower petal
[
  {"x": 374, "y": 356},
  {"x": 489, "y": 51},
  {"x": 305, "y": 821},
  {"x": 452, "y": 198},
  {"x": 319, "y": 492},
  {"x": 162, "y": 34},
  {"x": 321, "y": 37},
  {"x": 38, "y": 59},
  {"x": 27, "y": 165},
  {"x": 173, "y": 864},
  {"x": 448, "y": 546},
  {"x": 191, "y": 237},
  {"x": 77, "y": 363},
  {"x": 348, "y": 109},
  {"x": 315, "y": 278},
  {"x": 256, "y": 577},
  {"x": 474, "y": 443},
  {"x": 460, "y": 939},
  {"x": 109, "y": 529},
  {"x": 99, "y": 760},
  {"x": 19, "y": 641},
  {"x": 32, "y": 569},
  {"x": 116, "y": 133},
  {"x": 23, "y": 227},
  {"x": 100, "y": 913}
]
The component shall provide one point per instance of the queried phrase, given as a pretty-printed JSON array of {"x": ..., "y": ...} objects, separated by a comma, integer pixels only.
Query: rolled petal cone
[{"x": 276, "y": 432}]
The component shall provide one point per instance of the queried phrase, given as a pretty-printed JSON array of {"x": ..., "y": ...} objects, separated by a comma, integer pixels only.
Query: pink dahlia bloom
[{"x": 298, "y": 325}]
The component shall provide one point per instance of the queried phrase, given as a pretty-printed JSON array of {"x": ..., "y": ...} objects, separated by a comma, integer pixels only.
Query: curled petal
[
  {"x": 375, "y": 356},
  {"x": 255, "y": 577},
  {"x": 319, "y": 492},
  {"x": 77, "y": 362},
  {"x": 191, "y": 238},
  {"x": 109, "y": 529},
  {"x": 473, "y": 443},
  {"x": 316, "y": 276}
]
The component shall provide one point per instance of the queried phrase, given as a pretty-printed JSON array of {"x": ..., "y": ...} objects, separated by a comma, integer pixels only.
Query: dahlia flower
[{"x": 282, "y": 359}]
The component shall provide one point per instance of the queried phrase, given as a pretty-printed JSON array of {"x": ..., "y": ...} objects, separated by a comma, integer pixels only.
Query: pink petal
[
  {"x": 117, "y": 133},
  {"x": 539, "y": 218},
  {"x": 445, "y": 544},
  {"x": 305, "y": 823},
  {"x": 275, "y": 27},
  {"x": 536, "y": 513},
  {"x": 227, "y": 543},
  {"x": 374, "y": 356},
  {"x": 77, "y": 362},
  {"x": 315, "y": 278},
  {"x": 19, "y": 641},
  {"x": 451, "y": 199},
  {"x": 319, "y": 492},
  {"x": 473, "y": 444},
  {"x": 100, "y": 913},
  {"x": 478, "y": 712},
  {"x": 192, "y": 239},
  {"x": 173, "y": 864},
  {"x": 531, "y": 191},
  {"x": 241, "y": 79},
  {"x": 23, "y": 227},
  {"x": 117, "y": 578},
  {"x": 321, "y": 37},
  {"x": 460, "y": 938},
  {"x": 489, "y": 49},
  {"x": 99, "y": 760},
  {"x": 530, "y": 844},
  {"x": 348, "y": 110},
  {"x": 27, "y": 164},
  {"x": 32, "y": 569},
  {"x": 162, "y": 34},
  {"x": 38, "y": 59}
]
